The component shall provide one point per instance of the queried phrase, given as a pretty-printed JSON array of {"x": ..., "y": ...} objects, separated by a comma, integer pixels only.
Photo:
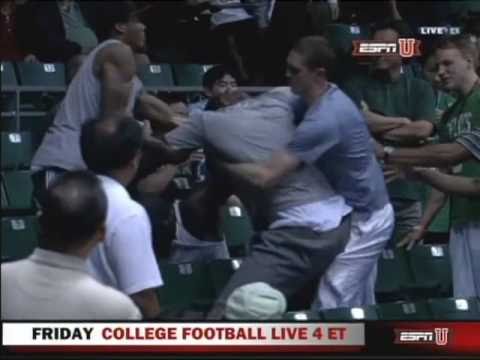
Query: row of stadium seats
[
  {"x": 423, "y": 272},
  {"x": 194, "y": 287},
  {"x": 53, "y": 75},
  {"x": 20, "y": 225},
  {"x": 430, "y": 309}
]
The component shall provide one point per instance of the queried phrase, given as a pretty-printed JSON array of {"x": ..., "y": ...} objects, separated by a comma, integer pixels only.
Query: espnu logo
[
  {"x": 438, "y": 336},
  {"x": 406, "y": 48}
]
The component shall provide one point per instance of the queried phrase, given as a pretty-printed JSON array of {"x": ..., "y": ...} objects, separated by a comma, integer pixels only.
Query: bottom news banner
[{"x": 353, "y": 339}]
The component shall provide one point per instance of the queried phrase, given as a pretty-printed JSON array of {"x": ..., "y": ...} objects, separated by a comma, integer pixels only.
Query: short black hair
[
  {"x": 316, "y": 52},
  {"x": 111, "y": 144},
  {"x": 214, "y": 74},
  {"x": 110, "y": 13},
  {"x": 74, "y": 209}
]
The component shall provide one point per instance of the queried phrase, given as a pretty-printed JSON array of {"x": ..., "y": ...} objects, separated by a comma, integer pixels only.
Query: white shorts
[
  {"x": 464, "y": 249},
  {"x": 350, "y": 280}
]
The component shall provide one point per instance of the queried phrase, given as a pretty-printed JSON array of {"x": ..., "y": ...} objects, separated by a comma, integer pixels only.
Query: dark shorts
[{"x": 286, "y": 259}]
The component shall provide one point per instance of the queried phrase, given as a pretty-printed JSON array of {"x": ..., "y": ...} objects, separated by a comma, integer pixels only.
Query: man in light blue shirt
[{"x": 334, "y": 137}]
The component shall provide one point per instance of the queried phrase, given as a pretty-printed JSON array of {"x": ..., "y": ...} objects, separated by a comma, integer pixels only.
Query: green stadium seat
[
  {"x": 41, "y": 76},
  {"x": 16, "y": 150},
  {"x": 236, "y": 229},
  {"x": 19, "y": 237},
  {"x": 404, "y": 311},
  {"x": 340, "y": 36},
  {"x": 37, "y": 126},
  {"x": 393, "y": 276},
  {"x": 350, "y": 314},
  {"x": 455, "y": 309},
  {"x": 18, "y": 190},
  {"x": 8, "y": 78},
  {"x": 8, "y": 74},
  {"x": 189, "y": 74},
  {"x": 156, "y": 75},
  {"x": 305, "y": 315},
  {"x": 431, "y": 271},
  {"x": 221, "y": 271},
  {"x": 186, "y": 287},
  {"x": 8, "y": 123}
]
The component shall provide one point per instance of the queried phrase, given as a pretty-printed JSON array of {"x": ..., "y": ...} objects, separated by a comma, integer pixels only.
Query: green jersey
[
  {"x": 461, "y": 124},
  {"x": 405, "y": 97}
]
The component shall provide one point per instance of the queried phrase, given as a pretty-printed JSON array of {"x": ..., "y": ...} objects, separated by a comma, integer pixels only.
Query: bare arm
[
  {"x": 414, "y": 131},
  {"x": 437, "y": 155},
  {"x": 159, "y": 113},
  {"x": 435, "y": 203},
  {"x": 166, "y": 152},
  {"x": 264, "y": 175},
  {"x": 116, "y": 72},
  {"x": 147, "y": 301},
  {"x": 379, "y": 124},
  {"x": 450, "y": 184},
  {"x": 157, "y": 182}
]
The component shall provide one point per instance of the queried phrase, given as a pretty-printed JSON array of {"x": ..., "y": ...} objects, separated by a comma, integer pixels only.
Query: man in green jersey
[
  {"x": 459, "y": 133},
  {"x": 400, "y": 111}
]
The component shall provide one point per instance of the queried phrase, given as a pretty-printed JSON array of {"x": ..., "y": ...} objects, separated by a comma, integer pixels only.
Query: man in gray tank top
[{"x": 104, "y": 86}]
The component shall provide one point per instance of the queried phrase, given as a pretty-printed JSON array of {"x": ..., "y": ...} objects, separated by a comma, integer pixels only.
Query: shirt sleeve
[
  {"x": 132, "y": 257},
  {"x": 353, "y": 88},
  {"x": 424, "y": 97},
  {"x": 314, "y": 137},
  {"x": 471, "y": 138},
  {"x": 189, "y": 135}
]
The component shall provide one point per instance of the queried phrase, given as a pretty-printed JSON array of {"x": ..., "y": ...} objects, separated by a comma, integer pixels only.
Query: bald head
[
  {"x": 74, "y": 211},
  {"x": 109, "y": 145}
]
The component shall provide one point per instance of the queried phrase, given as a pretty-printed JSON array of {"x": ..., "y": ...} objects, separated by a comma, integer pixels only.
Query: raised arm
[
  {"x": 158, "y": 112},
  {"x": 116, "y": 70}
]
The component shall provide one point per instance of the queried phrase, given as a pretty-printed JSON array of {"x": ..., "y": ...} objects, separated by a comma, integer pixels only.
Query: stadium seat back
[
  {"x": 305, "y": 315},
  {"x": 403, "y": 311},
  {"x": 36, "y": 126},
  {"x": 16, "y": 150},
  {"x": 431, "y": 271},
  {"x": 189, "y": 74},
  {"x": 236, "y": 228},
  {"x": 186, "y": 286},
  {"x": 8, "y": 78},
  {"x": 350, "y": 314},
  {"x": 155, "y": 75},
  {"x": 221, "y": 271},
  {"x": 341, "y": 36},
  {"x": 455, "y": 309},
  {"x": 18, "y": 189},
  {"x": 8, "y": 123},
  {"x": 19, "y": 237},
  {"x": 393, "y": 276},
  {"x": 42, "y": 76},
  {"x": 7, "y": 72}
]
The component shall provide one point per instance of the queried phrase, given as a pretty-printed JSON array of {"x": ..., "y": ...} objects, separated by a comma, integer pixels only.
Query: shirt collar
[
  {"x": 112, "y": 183},
  {"x": 59, "y": 260}
]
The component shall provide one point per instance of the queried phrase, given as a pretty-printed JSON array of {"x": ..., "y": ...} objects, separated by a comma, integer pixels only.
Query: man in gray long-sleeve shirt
[{"x": 304, "y": 222}]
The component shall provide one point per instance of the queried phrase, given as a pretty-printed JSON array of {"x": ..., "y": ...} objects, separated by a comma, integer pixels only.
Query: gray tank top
[{"x": 61, "y": 144}]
